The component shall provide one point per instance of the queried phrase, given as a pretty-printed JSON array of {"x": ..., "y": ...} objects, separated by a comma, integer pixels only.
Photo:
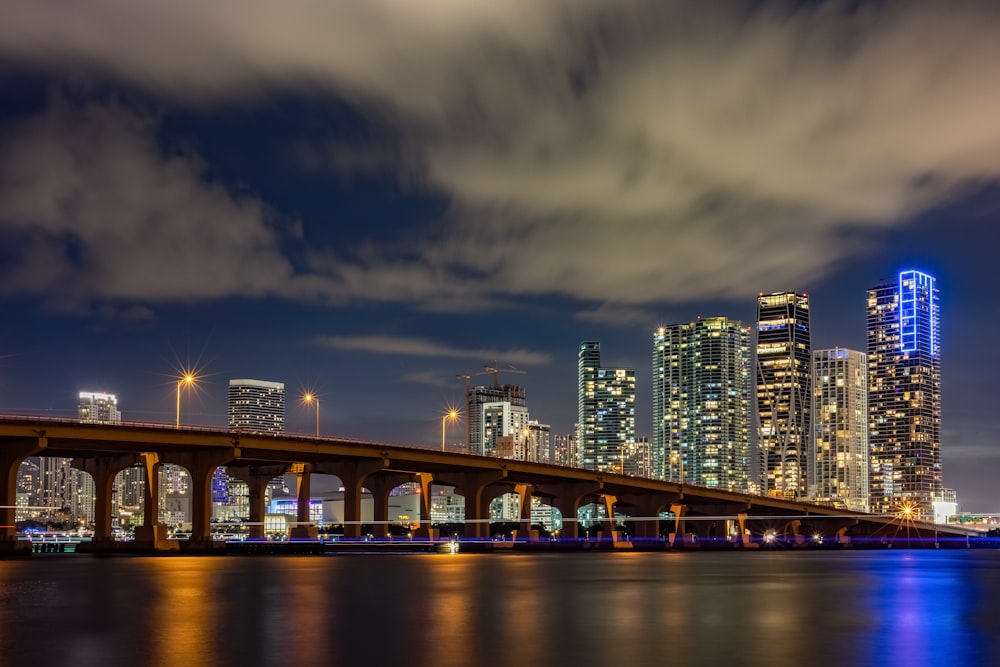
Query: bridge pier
[
  {"x": 152, "y": 535},
  {"x": 352, "y": 476},
  {"x": 424, "y": 530},
  {"x": 477, "y": 505},
  {"x": 201, "y": 466},
  {"x": 303, "y": 529},
  {"x": 11, "y": 456},
  {"x": 566, "y": 497},
  {"x": 104, "y": 469},
  {"x": 257, "y": 477},
  {"x": 679, "y": 528},
  {"x": 381, "y": 485},
  {"x": 525, "y": 533}
]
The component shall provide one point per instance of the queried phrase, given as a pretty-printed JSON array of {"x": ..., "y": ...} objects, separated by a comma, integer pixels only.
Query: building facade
[
  {"x": 505, "y": 430},
  {"x": 840, "y": 429},
  {"x": 701, "y": 399},
  {"x": 478, "y": 397},
  {"x": 784, "y": 394},
  {"x": 98, "y": 408},
  {"x": 904, "y": 393},
  {"x": 257, "y": 405},
  {"x": 606, "y": 411}
]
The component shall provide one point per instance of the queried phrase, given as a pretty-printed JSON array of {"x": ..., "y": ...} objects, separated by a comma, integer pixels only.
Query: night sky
[{"x": 366, "y": 198}]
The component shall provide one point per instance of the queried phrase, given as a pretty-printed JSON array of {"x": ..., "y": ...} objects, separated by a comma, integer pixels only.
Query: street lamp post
[
  {"x": 186, "y": 381},
  {"x": 679, "y": 458},
  {"x": 311, "y": 398},
  {"x": 451, "y": 414}
]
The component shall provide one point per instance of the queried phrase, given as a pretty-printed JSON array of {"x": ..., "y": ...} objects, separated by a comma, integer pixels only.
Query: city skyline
[{"x": 371, "y": 220}]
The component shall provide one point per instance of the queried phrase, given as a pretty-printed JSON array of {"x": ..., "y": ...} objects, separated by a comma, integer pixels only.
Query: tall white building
[
  {"x": 840, "y": 429},
  {"x": 505, "y": 430},
  {"x": 257, "y": 405},
  {"x": 99, "y": 408}
]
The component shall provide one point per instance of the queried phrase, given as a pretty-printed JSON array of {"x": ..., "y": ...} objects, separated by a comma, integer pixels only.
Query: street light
[
  {"x": 451, "y": 414},
  {"x": 185, "y": 381},
  {"x": 678, "y": 458},
  {"x": 311, "y": 398}
]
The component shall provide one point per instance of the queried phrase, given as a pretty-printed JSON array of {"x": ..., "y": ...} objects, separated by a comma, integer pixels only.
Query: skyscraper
[
  {"x": 606, "y": 411},
  {"x": 784, "y": 394},
  {"x": 478, "y": 397},
  {"x": 701, "y": 403},
  {"x": 257, "y": 405},
  {"x": 840, "y": 425},
  {"x": 904, "y": 393},
  {"x": 505, "y": 430},
  {"x": 99, "y": 408}
]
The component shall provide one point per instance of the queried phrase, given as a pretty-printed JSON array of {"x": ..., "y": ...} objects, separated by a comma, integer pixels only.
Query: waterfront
[{"x": 771, "y": 608}]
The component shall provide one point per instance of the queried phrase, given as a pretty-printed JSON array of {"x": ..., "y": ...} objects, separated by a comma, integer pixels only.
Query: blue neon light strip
[{"x": 918, "y": 311}]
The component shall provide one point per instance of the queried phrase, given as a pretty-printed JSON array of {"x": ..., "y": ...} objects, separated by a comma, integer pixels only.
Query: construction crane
[
  {"x": 493, "y": 370},
  {"x": 496, "y": 373}
]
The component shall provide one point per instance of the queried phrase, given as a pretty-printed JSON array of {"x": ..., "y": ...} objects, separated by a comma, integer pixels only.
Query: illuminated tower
[
  {"x": 606, "y": 411},
  {"x": 98, "y": 408},
  {"x": 476, "y": 399},
  {"x": 701, "y": 404},
  {"x": 904, "y": 393},
  {"x": 840, "y": 424},
  {"x": 257, "y": 405},
  {"x": 784, "y": 395}
]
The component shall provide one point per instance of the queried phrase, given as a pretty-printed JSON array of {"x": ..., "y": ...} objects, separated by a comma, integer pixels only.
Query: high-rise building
[
  {"x": 257, "y": 405},
  {"x": 565, "y": 450},
  {"x": 476, "y": 398},
  {"x": 606, "y": 411},
  {"x": 840, "y": 429},
  {"x": 99, "y": 408},
  {"x": 539, "y": 445},
  {"x": 701, "y": 399},
  {"x": 505, "y": 430},
  {"x": 784, "y": 394},
  {"x": 904, "y": 393}
]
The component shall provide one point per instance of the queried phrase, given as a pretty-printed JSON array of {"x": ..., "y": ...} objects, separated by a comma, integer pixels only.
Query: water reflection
[{"x": 827, "y": 608}]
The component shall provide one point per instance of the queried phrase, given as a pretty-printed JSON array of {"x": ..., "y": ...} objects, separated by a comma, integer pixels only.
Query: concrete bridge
[{"x": 257, "y": 457}]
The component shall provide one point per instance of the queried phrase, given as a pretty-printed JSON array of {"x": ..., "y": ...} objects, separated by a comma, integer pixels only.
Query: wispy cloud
[
  {"x": 417, "y": 347},
  {"x": 608, "y": 313}
]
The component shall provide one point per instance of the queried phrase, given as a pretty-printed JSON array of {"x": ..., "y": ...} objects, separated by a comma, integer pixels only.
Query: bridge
[{"x": 104, "y": 450}]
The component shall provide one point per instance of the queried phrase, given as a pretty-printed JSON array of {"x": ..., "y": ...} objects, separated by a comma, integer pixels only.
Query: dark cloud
[{"x": 634, "y": 152}]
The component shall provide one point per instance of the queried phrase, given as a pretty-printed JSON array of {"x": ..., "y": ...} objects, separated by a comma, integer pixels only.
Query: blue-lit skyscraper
[{"x": 904, "y": 393}]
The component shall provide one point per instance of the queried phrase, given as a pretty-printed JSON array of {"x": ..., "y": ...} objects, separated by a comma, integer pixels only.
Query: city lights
[
  {"x": 451, "y": 414},
  {"x": 309, "y": 397}
]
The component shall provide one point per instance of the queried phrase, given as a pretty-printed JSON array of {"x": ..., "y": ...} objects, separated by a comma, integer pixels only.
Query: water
[{"x": 911, "y": 608}]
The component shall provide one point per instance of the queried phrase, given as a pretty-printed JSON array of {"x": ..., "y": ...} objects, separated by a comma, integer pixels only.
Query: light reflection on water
[{"x": 916, "y": 608}]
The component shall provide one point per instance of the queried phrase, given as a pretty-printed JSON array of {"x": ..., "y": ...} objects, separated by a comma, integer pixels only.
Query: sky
[{"x": 369, "y": 199}]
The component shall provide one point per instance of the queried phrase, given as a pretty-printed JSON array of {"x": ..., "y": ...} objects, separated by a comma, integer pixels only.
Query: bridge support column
[
  {"x": 104, "y": 469},
  {"x": 202, "y": 466},
  {"x": 152, "y": 534},
  {"x": 303, "y": 529},
  {"x": 745, "y": 540},
  {"x": 609, "y": 536},
  {"x": 352, "y": 476},
  {"x": 566, "y": 497},
  {"x": 256, "y": 477},
  {"x": 11, "y": 456},
  {"x": 477, "y": 502},
  {"x": 381, "y": 486},
  {"x": 424, "y": 530},
  {"x": 525, "y": 533},
  {"x": 679, "y": 528}
]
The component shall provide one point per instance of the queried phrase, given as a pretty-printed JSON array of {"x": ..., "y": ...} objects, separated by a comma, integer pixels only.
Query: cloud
[
  {"x": 608, "y": 313},
  {"x": 633, "y": 152},
  {"x": 91, "y": 208},
  {"x": 417, "y": 347}
]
